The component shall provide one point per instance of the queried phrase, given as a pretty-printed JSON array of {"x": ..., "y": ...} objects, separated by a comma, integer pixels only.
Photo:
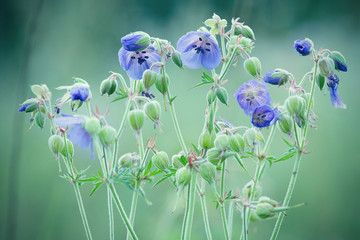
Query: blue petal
[
  {"x": 129, "y": 42},
  {"x": 262, "y": 116},
  {"x": 191, "y": 59},
  {"x": 211, "y": 59},
  {"x": 335, "y": 98},
  {"x": 186, "y": 42},
  {"x": 80, "y": 136},
  {"x": 125, "y": 58},
  {"x": 68, "y": 120}
]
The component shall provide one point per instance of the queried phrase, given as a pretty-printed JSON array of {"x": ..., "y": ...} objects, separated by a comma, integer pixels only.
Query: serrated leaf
[
  {"x": 97, "y": 185},
  {"x": 287, "y": 156}
]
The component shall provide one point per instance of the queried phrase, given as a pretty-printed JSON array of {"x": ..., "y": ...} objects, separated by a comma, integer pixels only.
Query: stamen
[
  {"x": 143, "y": 51},
  {"x": 200, "y": 38},
  {"x": 132, "y": 57},
  {"x": 208, "y": 44}
]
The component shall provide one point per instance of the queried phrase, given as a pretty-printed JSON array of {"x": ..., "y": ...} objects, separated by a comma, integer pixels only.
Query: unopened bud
[
  {"x": 107, "y": 135},
  {"x": 211, "y": 96},
  {"x": 92, "y": 126},
  {"x": 248, "y": 188},
  {"x": 56, "y": 144},
  {"x": 206, "y": 139},
  {"x": 221, "y": 141},
  {"x": 285, "y": 121},
  {"x": 264, "y": 199},
  {"x": 277, "y": 77},
  {"x": 183, "y": 176},
  {"x": 339, "y": 60},
  {"x": 108, "y": 86},
  {"x": 250, "y": 137},
  {"x": 248, "y": 32},
  {"x": 175, "y": 159},
  {"x": 162, "y": 83},
  {"x": 222, "y": 95},
  {"x": 149, "y": 78},
  {"x": 161, "y": 160},
  {"x": 177, "y": 59},
  {"x": 237, "y": 143},
  {"x": 152, "y": 110},
  {"x": 213, "y": 155},
  {"x": 253, "y": 66},
  {"x": 326, "y": 66},
  {"x": 264, "y": 210},
  {"x": 136, "y": 119},
  {"x": 136, "y": 41},
  {"x": 207, "y": 171},
  {"x": 69, "y": 147},
  {"x": 129, "y": 160},
  {"x": 295, "y": 105}
]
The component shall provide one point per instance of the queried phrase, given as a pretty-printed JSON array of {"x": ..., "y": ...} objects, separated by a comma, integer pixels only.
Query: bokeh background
[{"x": 50, "y": 42}]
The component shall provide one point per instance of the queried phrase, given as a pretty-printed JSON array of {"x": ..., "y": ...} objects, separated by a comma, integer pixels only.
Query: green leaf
[
  {"x": 122, "y": 94},
  {"x": 100, "y": 174},
  {"x": 148, "y": 168},
  {"x": 206, "y": 79},
  {"x": 97, "y": 185},
  {"x": 198, "y": 152},
  {"x": 287, "y": 143},
  {"x": 172, "y": 99},
  {"x": 166, "y": 176},
  {"x": 156, "y": 172},
  {"x": 183, "y": 160},
  {"x": 287, "y": 156},
  {"x": 40, "y": 120}
]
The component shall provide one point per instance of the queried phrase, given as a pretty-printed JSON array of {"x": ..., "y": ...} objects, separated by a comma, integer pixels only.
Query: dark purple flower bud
[
  {"x": 333, "y": 82},
  {"x": 79, "y": 93},
  {"x": 303, "y": 47},
  {"x": 339, "y": 60},
  {"x": 263, "y": 116},
  {"x": 23, "y": 107},
  {"x": 277, "y": 77},
  {"x": 136, "y": 41}
]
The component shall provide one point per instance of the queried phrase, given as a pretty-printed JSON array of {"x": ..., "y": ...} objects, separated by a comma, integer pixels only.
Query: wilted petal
[
  {"x": 80, "y": 136},
  {"x": 335, "y": 98}
]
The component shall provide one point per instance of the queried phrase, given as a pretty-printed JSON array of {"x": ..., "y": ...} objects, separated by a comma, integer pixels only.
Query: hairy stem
[
  {"x": 222, "y": 205},
  {"x": 201, "y": 194}
]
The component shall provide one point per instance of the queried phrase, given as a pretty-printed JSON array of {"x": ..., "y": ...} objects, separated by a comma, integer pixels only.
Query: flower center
[
  {"x": 202, "y": 45},
  {"x": 140, "y": 56},
  {"x": 250, "y": 98}
]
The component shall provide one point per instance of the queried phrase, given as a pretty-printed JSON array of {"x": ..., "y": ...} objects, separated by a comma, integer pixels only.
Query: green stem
[
  {"x": 183, "y": 228},
  {"x": 177, "y": 129},
  {"x": 222, "y": 205},
  {"x": 122, "y": 211},
  {"x": 191, "y": 206},
  {"x": 204, "y": 211},
  {"x": 227, "y": 65},
  {"x": 111, "y": 216},
  {"x": 82, "y": 211},
  {"x": 245, "y": 227},
  {"x": 231, "y": 217}
]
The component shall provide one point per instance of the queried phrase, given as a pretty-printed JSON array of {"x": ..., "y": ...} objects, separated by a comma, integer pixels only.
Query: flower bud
[
  {"x": 237, "y": 31},
  {"x": 56, "y": 144},
  {"x": 253, "y": 216},
  {"x": 221, "y": 141},
  {"x": 246, "y": 44},
  {"x": 248, "y": 32},
  {"x": 92, "y": 126},
  {"x": 177, "y": 59},
  {"x": 79, "y": 92},
  {"x": 140, "y": 87},
  {"x": 108, "y": 86},
  {"x": 30, "y": 108},
  {"x": 183, "y": 176},
  {"x": 206, "y": 139},
  {"x": 161, "y": 160},
  {"x": 213, "y": 155},
  {"x": 129, "y": 160},
  {"x": 295, "y": 105},
  {"x": 207, "y": 171},
  {"x": 162, "y": 83},
  {"x": 175, "y": 159},
  {"x": 152, "y": 110},
  {"x": 222, "y": 95},
  {"x": 136, "y": 119},
  {"x": 268, "y": 200},
  {"x": 339, "y": 60},
  {"x": 253, "y": 66},
  {"x": 248, "y": 188},
  {"x": 304, "y": 47},
  {"x": 285, "y": 122},
  {"x": 277, "y": 77},
  {"x": 107, "y": 135},
  {"x": 211, "y": 96},
  {"x": 264, "y": 210},
  {"x": 149, "y": 78},
  {"x": 326, "y": 66},
  {"x": 237, "y": 143},
  {"x": 250, "y": 137},
  {"x": 37, "y": 90},
  {"x": 136, "y": 41},
  {"x": 69, "y": 148}
]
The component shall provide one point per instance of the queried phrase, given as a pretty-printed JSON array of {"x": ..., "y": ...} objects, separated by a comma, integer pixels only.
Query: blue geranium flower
[
  {"x": 136, "y": 62},
  {"x": 303, "y": 47},
  {"x": 333, "y": 82},
  {"x": 264, "y": 116},
  {"x": 199, "y": 49},
  {"x": 79, "y": 93},
  {"x": 136, "y": 41},
  {"x": 77, "y": 133},
  {"x": 252, "y": 95}
]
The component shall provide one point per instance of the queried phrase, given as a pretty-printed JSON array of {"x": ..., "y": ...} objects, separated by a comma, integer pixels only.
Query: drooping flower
[
  {"x": 277, "y": 77},
  {"x": 77, "y": 133},
  {"x": 136, "y": 41},
  {"x": 264, "y": 116},
  {"x": 303, "y": 47},
  {"x": 333, "y": 82},
  {"x": 199, "y": 49},
  {"x": 136, "y": 62},
  {"x": 79, "y": 93},
  {"x": 339, "y": 60},
  {"x": 252, "y": 95}
]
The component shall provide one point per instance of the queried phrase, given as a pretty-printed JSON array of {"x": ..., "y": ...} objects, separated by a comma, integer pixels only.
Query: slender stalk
[
  {"x": 191, "y": 206},
  {"x": 82, "y": 211},
  {"x": 244, "y": 225},
  {"x": 122, "y": 211},
  {"x": 201, "y": 194},
  {"x": 183, "y": 228},
  {"x": 295, "y": 171},
  {"x": 111, "y": 216},
  {"x": 177, "y": 129},
  {"x": 222, "y": 205},
  {"x": 231, "y": 217}
]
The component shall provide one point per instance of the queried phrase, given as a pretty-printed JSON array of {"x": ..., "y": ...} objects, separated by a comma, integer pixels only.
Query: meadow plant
[{"x": 216, "y": 47}]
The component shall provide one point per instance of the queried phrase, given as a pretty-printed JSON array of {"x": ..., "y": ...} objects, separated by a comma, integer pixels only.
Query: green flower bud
[
  {"x": 108, "y": 86},
  {"x": 339, "y": 60},
  {"x": 69, "y": 148},
  {"x": 107, "y": 135},
  {"x": 222, "y": 141},
  {"x": 136, "y": 119},
  {"x": 248, "y": 32},
  {"x": 207, "y": 171},
  {"x": 285, "y": 122},
  {"x": 152, "y": 110},
  {"x": 183, "y": 176},
  {"x": 248, "y": 188},
  {"x": 129, "y": 160},
  {"x": 92, "y": 126},
  {"x": 213, "y": 155},
  {"x": 246, "y": 43},
  {"x": 264, "y": 210},
  {"x": 253, "y": 216},
  {"x": 253, "y": 66},
  {"x": 237, "y": 31},
  {"x": 295, "y": 105},
  {"x": 161, "y": 160},
  {"x": 31, "y": 108},
  {"x": 206, "y": 139},
  {"x": 149, "y": 78},
  {"x": 56, "y": 144},
  {"x": 250, "y": 137},
  {"x": 177, "y": 59},
  {"x": 140, "y": 87},
  {"x": 237, "y": 143},
  {"x": 326, "y": 66},
  {"x": 268, "y": 200},
  {"x": 162, "y": 83},
  {"x": 211, "y": 95},
  {"x": 222, "y": 95},
  {"x": 175, "y": 159},
  {"x": 37, "y": 90}
]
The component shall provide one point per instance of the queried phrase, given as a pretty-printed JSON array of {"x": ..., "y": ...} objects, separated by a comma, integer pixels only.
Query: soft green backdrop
[{"x": 81, "y": 38}]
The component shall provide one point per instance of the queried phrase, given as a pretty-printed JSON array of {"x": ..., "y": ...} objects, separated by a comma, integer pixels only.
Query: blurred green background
[{"x": 52, "y": 41}]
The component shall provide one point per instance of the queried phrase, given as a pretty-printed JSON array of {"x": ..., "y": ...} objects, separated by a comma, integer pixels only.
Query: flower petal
[
  {"x": 335, "y": 98},
  {"x": 187, "y": 41},
  {"x": 191, "y": 59},
  {"x": 68, "y": 120},
  {"x": 211, "y": 59},
  {"x": 79, "y": 136}
]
